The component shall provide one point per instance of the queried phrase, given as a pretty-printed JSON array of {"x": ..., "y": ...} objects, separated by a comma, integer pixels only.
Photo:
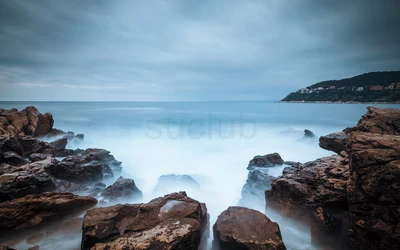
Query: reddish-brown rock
[
  {"x": 335, "y": 142},
  {"x": 379, "y": 120},
  {"x": 174, "y": 221},
  {"x": 240, "y": 228},
  {"x": 374, "y": 190},
  {"x": 28, "y": 121},
  {"x": 38, "y": 209}
]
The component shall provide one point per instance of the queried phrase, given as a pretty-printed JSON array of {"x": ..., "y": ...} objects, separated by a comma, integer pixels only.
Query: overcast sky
[{"x": 189, "y": 50}]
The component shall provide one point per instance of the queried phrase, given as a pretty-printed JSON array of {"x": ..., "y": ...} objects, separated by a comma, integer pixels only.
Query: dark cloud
[{"x": 189, "y": 50}]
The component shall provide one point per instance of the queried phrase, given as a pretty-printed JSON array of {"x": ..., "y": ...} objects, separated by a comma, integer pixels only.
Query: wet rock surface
[
  {"x": 122, "y": 189},
  {"x": 35, "y": 210},
  {"x": 335, "y": 142},
  {"x": 174, "y": 221},
  {"x": 240, "y": 228},
  {"x": 258, "y": 178},
  {"x": 268, "y": 160}
]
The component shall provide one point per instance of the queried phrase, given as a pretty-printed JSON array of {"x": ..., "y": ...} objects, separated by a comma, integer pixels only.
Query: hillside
[{"x": 369, "y": 87}]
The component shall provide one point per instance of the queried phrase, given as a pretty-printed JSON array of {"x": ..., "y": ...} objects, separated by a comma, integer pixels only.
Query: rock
[
  {"x": 39, "y": 157},
  {"x": 308, "y": 133},
  {"x": 10, "y": 144},
  {"x": 33, "y": 211},
  {"x": 174, "y": 221},
  {"x": 268, "y": 160},
  {"x": 169, "y": 183},
  {"x": 379, "y": 120},
  {"x": 373, "y": 188},
  {"x": 77, "y": 172},
  {"x": 318, "y": 183},
  {"x": 32, "y": 145},
  {"x": 80, "y": 137},
  {"x": 28, "y": 121},
  {"x": 32, "y": 178},
  {"x": 104, "y": 156},
  {"x": 243, "y": 228},
  {"x": 6, "y": 248},
  {"x": 122, "y": 189},
  {"x": 59, "y": 144},
  {"x": 13, "y": 158},
  {"x": 335, "y": 142},
  {"x": 258, "y": 180}
]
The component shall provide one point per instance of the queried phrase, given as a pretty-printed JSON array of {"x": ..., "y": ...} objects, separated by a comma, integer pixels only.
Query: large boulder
[
  {"x": 174, "y": 221},
  {"x": 335, "y": 142},
  {"x": 268, "y": 160},
  {"x": 122, "y": 189},
  {"x": 33, "y": 211},
  {"x": 31, "y": 178},
  {"x": 373, "y": 188},
  {"x": 246, "y": 229},
  {"x": 28, "y": 121},
  {"x": 306, "y": 189}
]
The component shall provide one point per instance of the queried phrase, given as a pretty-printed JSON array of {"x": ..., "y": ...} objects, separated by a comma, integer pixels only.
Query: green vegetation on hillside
[{"x": 369, "y": 87}]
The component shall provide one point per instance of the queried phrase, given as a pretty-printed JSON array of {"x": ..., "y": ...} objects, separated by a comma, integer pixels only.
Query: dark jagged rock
[
  {"x": 77, "y": 172},
  {"x": 122, "y": 189},
  {"x": 174, "y": 221},
  {"x": 28, "y": 121},
  {"x": 308, "y": 133},
  {"x": 10, "y": 144},
  {"x": 12, "y": 158},
  {"x": 59, "y": 144},
  {"x": 335, "y": 142},
  {"x": 268, "y": 160},
  {"x": 39, "y": 157},
  {"x": 6, "y": 248},
  {"x": 257, "y": 182},
  {"x": 246, "y": 229},
  {"x": 104, "y": 156},
  {"x": 373, "y": 189},
  {"x": 379, "y": 120},
  {"x": 36, "y": 210},
  {"x": 31, "y": 178},
  {"x": 258, "y": 179}
]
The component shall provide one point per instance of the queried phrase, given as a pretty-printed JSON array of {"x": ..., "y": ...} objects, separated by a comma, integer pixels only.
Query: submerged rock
[
  {"x": 171, "y": 182},
  {"x": 335, "y": 142},
  {"x": 258, "y": 179},
  {"x": 308, "y": 133},
  {"x": 35, "y": 210},
  {"x": 174, "y": 221},
  {"x": 246, "y": 229},
  {"x": 122, "y": 189}
]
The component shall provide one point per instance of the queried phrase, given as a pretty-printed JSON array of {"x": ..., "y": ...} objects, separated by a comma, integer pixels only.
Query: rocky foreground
[
  {"x": 45, "y": 188},
  {"x": 351, "y": 199}
]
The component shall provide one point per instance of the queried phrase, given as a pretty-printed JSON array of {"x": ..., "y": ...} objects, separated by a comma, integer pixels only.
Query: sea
[{"x": 211, "y": 141}]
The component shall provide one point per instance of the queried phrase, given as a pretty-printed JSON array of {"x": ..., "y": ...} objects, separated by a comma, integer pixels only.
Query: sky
[{"x": 187, "y": 50}]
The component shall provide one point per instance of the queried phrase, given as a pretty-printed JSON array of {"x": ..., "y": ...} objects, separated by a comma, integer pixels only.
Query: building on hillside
[
  {"x": 360, "y": 89},
  {"x": 376, "y": 88}
]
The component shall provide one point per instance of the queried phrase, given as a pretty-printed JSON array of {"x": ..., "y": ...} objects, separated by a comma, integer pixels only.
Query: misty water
[{"x": 211, "y": 141}]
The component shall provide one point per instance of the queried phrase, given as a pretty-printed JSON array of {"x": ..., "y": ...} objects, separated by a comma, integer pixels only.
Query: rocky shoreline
[
  {"x": 337, "y": 102},
  {"x": 350, "y": 199}
]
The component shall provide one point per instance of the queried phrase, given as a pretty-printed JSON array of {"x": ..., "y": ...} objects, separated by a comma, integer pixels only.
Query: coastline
[{"x": 333, "y": 102}]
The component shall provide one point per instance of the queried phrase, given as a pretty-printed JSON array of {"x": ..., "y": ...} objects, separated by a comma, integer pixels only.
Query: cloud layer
[{"x": 189, "y": 50}]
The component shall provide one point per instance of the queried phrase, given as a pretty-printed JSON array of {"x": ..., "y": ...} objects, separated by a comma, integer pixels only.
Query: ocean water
[{"x": 211, "y": 141}]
